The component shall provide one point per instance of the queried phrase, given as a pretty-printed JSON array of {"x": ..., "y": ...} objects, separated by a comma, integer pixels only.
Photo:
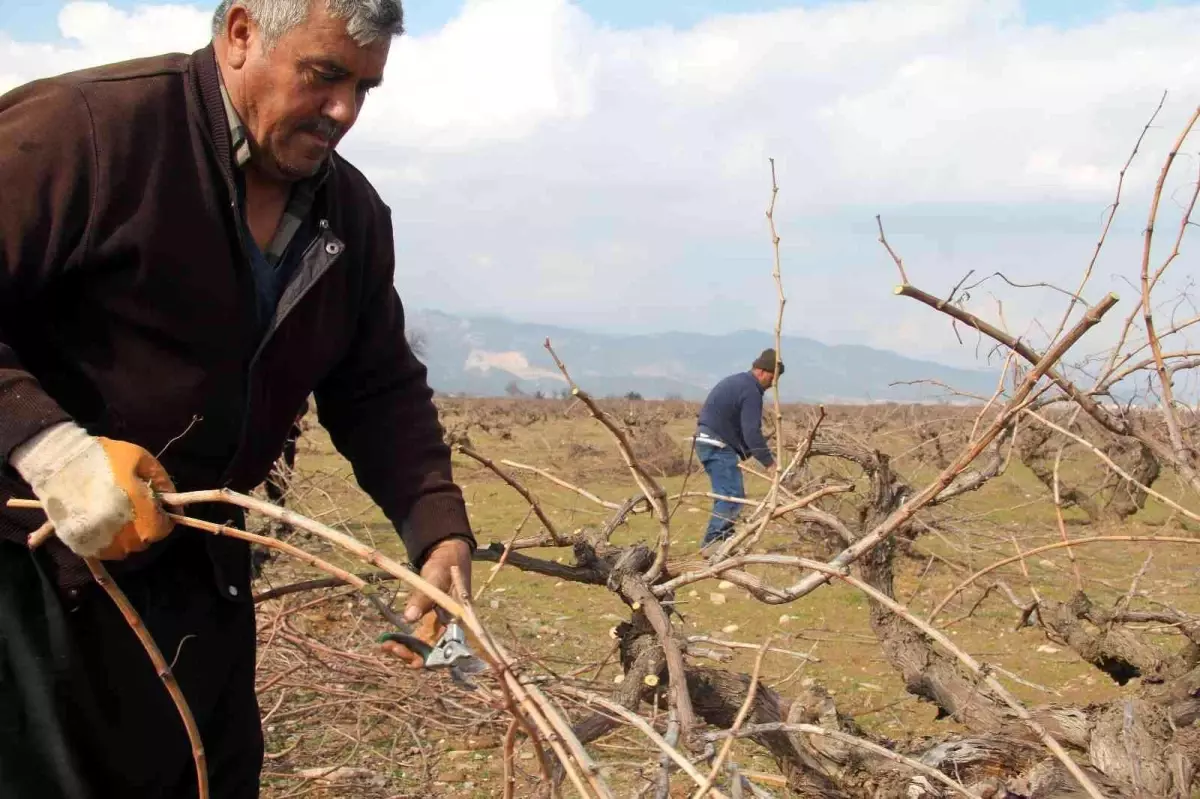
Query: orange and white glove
[{"x": 98, "y": 492}]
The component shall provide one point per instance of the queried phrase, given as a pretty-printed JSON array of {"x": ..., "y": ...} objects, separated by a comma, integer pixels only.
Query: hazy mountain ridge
[{"x": 482, "y": 356}]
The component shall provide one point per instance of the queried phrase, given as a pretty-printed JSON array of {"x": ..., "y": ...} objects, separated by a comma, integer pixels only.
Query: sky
[{"x": 605, "y": 163}]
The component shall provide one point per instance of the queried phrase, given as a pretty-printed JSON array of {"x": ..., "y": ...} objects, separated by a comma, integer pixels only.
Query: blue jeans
[{"x": 721, "y": 464}]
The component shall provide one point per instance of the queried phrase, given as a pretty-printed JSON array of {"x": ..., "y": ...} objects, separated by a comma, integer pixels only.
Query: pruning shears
[{"x": 450, "y": 652}]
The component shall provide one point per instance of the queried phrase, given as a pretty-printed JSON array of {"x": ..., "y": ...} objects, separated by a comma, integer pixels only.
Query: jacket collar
[
  {"x": 239, "y": 140},
  {"x": 208, "y": 84}
]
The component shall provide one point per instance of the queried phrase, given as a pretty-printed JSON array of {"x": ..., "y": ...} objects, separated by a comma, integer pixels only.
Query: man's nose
[{"x": 343, "y": 109}]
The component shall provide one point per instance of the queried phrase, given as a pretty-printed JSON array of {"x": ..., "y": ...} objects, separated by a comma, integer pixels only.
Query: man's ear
[{"x": 239, "y": 31}]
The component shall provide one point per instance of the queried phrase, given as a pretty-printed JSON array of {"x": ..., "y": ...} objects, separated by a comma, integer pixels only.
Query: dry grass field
[{"x": 343, "y": 721}]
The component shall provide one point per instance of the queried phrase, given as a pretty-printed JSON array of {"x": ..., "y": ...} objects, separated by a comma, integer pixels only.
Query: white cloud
[
  {"x": 95, "y": 33},
  {"x": 543, "y": 165},
  {"x": 496, "y": 72}
]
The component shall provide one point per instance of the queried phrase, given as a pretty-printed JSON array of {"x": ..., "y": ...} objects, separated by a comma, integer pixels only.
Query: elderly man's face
[{"x": 299, "y": 97}]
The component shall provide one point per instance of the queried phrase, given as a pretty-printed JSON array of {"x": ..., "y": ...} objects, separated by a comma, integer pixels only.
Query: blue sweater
[{"x": 733, "y": 413}]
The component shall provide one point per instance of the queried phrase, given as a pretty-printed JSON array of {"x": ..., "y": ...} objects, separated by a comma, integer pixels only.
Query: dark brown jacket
[{"x": 127, "y": 304}]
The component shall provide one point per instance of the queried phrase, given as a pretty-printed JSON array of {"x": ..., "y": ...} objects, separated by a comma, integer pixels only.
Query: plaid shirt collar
[{"x": 303, "y": 194}]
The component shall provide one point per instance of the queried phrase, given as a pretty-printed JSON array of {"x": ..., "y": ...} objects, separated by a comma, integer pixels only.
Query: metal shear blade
[{"x": 450, "y": 652}]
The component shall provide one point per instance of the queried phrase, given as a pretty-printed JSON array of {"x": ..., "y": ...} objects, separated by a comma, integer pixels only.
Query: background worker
[
  {"x": 183, "y": 260},
  {"x": 728, "y": 431}
]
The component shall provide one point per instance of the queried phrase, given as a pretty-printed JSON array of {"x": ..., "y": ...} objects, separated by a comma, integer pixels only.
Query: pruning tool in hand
[{"x": 450, "y": 652}]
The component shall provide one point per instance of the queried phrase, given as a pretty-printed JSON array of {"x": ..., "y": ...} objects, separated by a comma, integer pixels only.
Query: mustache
[{"x": 325, "y": 128}]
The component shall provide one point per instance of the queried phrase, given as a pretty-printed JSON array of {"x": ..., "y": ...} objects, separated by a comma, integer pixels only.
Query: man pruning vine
[{"x": 184, "y": 259}]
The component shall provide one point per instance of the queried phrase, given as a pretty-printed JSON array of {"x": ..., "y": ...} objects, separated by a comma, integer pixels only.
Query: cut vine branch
[
  {"x": 536, "y": 711},
  {"x": 650, "y": 488},
  {"x": 1003, "y": 420},
  {"x": 161, "y": 667},
  {"x": 555, "y": 536}
]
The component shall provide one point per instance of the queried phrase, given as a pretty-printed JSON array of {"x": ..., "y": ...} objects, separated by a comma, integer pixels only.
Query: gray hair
[{"x": 366, "y": 21}]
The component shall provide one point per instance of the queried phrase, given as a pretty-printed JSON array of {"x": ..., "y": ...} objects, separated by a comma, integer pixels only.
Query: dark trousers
[
  {"x": 721, "y": 464},
  {"x": 83, "y": 715}
]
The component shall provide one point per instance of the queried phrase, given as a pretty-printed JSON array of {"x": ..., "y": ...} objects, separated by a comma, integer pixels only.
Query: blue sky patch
[{"x": 36, "y": 20}]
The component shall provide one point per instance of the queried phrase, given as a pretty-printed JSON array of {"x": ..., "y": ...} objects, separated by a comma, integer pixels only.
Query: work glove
[{"x": 96, "y": 491}]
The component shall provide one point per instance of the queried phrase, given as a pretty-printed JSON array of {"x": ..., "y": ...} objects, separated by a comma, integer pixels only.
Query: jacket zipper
[{"x": 333, "y": 248}]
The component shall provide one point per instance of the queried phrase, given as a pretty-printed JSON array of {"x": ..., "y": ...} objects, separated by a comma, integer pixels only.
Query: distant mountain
[{"x": 484, "y": 356}]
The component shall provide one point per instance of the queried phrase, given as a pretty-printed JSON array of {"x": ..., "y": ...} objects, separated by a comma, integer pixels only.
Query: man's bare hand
[
  {"x": 444, "y": 555},
  {"x": 421, "y": 610}
]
